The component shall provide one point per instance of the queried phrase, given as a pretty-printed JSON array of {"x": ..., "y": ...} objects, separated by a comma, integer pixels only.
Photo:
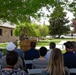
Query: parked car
[
  {"x": 66, "y": 36},
  {"x": 47, "y": 37}
]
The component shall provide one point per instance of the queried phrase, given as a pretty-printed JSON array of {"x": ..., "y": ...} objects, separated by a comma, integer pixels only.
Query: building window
[
  {"x": 0, "y": 31},
  {"x": 11, "y": 32}
]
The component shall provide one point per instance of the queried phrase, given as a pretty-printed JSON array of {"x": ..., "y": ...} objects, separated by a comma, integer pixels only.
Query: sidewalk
[{"x": 59, "y": 45}]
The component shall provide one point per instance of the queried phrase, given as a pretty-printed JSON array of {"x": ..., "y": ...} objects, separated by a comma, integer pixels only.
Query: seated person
[
  {"x": 52, "y": 45},
  {"x": 11, "y": 60},
  {"x": 14, "y": 46},
  {"x": 31, "y": 54},
  {"x": 41, "y": 62},
  {"x": 55, "y": 64},
  {"x": 1, "y": 54},
  {"x": 69, "y": 56},
  {"x": 18, "y": 65}
]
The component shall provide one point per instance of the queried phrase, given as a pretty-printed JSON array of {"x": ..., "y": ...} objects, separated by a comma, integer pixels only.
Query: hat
[
  {"x": 69, "y": 44},
  {"x": 11, "y": 46}
]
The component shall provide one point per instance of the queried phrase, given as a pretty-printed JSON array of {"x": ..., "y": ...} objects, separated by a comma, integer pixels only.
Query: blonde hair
[{"x": 56, "y": 64}]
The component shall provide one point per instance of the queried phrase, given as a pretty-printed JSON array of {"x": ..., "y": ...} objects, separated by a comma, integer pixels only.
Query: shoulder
[
  {"x": 27, "y": 51},
  {"x": 20, "y": 72},
  {"x": 40, "y": 63},
  {"x": 18, "y": 50},
  {"x": 35, "y": 50},
  {"x": 14, "y": 72},
  {"x": 3, "y": 57},
  {"x": 35, "y": 59},
  {"x": 44, "y": 72}
]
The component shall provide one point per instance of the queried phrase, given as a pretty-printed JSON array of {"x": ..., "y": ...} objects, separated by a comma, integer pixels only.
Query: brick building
[{"x": 6, "y": 33}]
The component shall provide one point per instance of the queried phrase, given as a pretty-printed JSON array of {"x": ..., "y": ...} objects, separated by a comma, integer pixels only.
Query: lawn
[
  {"x": 46, "y": 42},
  {"x": 40, "y": 43}
]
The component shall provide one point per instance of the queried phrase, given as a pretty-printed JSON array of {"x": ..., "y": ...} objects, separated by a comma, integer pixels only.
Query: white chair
[
  {"x": 28, "y": 61},
  {"x": 72, "y": 70},
  {"x": 34, "y": 71}
]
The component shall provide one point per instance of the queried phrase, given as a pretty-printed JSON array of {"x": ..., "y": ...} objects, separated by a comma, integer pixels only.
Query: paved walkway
[{"x": 59, "y": 45}]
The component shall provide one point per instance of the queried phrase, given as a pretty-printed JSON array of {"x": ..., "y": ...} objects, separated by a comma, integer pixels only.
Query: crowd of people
[{"x": 52, "y": 61}]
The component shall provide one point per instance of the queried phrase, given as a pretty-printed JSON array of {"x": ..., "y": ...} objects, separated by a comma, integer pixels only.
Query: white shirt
[{"x": 47, "y": 56}]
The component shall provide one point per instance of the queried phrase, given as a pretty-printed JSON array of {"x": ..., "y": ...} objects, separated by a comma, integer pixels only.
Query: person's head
[
  {"x": 52, "y": 45},
  {"x": 69, "y": 46},
  {"x": 16, "y": 43},
  {"x": 43, "y": 51},
  {"x": 56, "y": 64},
  {"x": 74, "y": 43},
  {"x": 10, "y": 46},
  {"x": 11, "y": 58},
  {"x": 33, "y": 44}
]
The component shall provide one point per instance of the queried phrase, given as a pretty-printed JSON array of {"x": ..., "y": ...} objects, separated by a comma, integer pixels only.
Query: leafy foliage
[
  {"x": 57, "y": 22},
  {"x": 26, "y": 27},
  {"x": 44, "y": 30},
  {"x": 20, "y": 10},
  {"x": 72, "y": 7},
  {"x": 31, "y": 29}
]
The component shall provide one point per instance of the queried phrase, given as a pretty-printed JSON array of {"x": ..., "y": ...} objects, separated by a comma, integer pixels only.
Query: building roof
[{"x": 8, "y": 25}]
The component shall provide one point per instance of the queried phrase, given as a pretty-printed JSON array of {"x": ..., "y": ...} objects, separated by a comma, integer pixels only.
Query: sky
[{"x": 44, "y": 20}]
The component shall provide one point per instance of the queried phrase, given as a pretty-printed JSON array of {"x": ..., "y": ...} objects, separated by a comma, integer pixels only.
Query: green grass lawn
[
  {"x": 46, "y": 42},
  {"x": 40, "y": 43}
]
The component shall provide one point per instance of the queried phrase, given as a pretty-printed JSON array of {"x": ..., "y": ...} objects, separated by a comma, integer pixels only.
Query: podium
[{"x": 25, "y": 44}]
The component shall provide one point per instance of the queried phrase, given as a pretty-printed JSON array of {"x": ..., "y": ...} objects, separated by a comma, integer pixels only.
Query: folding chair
[
  {"x": 34, "y": 71},
  {"x": 72, "y": 70},
  {"x": 28, "y": 61}
]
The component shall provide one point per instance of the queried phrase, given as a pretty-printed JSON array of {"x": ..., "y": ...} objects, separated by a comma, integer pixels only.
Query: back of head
[
  {"x": 52, "y": 45},
  {"x": 16, "y": 43},
  {"x": 69, "y": 45},
  {"x": 74, "y": 43},
  {"x": 10, "y": 46},
  {"x": 56, "y": 64},
  {"x": 11, "y": 58},
  {"x": 33, "y": 44},
  {"x": 43, "y": 51}
]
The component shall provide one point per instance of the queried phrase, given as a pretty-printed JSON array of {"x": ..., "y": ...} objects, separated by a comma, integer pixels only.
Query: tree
[
  {"x": 58, "y": 22},
  {"x": 72, "y": 7},
  {"x": 31, "y": 29},
  {"x": 28, "y": 28},
  {"x": 44, "y": 30},
  {"x": 20, "y": 10}
]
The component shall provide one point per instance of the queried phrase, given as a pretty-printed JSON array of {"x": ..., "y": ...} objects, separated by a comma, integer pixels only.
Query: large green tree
[
  {"x": 72, "y": 7},
  {"x": 58, "y": 22},
  {"x": 28, "y": 28},
  {"x": 31, "y": 29},
  {"x": 44, "y": 30},
  {"x": 20, "y": 10}
]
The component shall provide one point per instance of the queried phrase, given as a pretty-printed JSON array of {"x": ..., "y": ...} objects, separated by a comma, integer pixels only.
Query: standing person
[
  {"x": 31, "y": 54},
  {"x": 11, "y": 60},
  {"x": 41, "y": 62},
  {"x": 23, "y": 36},
  {"x": 55, "y": 64},
  {"x": 52, "y": 45}
]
